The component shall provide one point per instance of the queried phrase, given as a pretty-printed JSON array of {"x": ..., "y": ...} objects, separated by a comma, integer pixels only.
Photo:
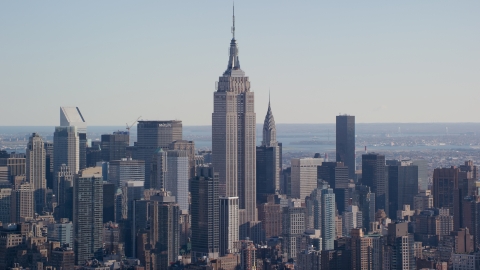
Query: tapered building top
[
  {"x": 233, "y": 68},
  {"x": 269, "y": 129}
]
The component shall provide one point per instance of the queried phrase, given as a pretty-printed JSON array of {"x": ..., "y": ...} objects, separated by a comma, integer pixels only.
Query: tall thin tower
[
  {"x": 233, "y": 136},
  {"x": 345, "y": 142},
  {"x": 35, "y": 170}
]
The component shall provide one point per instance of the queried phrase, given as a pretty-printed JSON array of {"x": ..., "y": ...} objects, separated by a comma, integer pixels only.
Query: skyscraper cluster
[{"x": 78, "y": 203}]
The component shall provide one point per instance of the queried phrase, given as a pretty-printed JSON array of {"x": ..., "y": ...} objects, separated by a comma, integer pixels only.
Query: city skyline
[
  {"x": 235, "y": 194},
  {"x": 419, "y": 52}
]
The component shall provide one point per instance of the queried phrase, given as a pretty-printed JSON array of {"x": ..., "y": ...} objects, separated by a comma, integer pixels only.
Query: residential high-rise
[
  {"x": 345, "y": 142},
  {"x": 63, "y": 190},
  {"x": 374, "y": 175},
  {"x": 352, "y": 219},
  {"x": 205, "y": 214},
  {"x": 71, "y": 116},
  {"x": 88, "y": 215},
  {"x": 164, "y": 229},
  {"x": 269, "y": 160},
  {"x": 445, "y": 181},
  {"x": 423, "y": 200},
  {"x": 233, "y": 136},
  {"x": 152, "y": 135},
  {"x": 304, "y": 176},
  {"x": 313, "y": 210},
  {"x": 114, "y": 146},
  {"x": 65, "y": 149},
  {"x": 270, "y": 214},
  {"x": 189, "y": 148},
  {"x": 121, "y": 171},
  {"x": 328, "y": 219},
  {"x": 61, "y": 231},
  {"x": 336, "y": 174},
  {"x": 5, "y": 205},
  {"x": 48, "y": 146},
  {"x": 15, "y": 166},
  {"x": 402, "y": 185},
  {"x": 132, "y": 192},
  {"x": 400, "y": 247},
  {"x": 35, "y": 170},
  {"x": 365, "y": 200},
  {"x": 22, "y": 203},
  {"x": 293, "y": 228},
  {"x": 229, "y": 224}
]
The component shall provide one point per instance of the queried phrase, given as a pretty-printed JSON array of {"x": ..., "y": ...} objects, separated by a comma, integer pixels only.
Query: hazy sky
[{"x": 382, "y": 61}]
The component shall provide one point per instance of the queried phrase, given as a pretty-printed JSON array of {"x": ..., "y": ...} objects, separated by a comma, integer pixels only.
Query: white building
[
  {"x": 229, "y": 227},
  {"x": 352, "y": 219},
  {"x": 304, "y": 176}
]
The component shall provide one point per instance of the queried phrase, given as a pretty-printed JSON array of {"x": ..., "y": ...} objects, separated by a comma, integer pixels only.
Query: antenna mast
[{"x": 233, "y": 27}]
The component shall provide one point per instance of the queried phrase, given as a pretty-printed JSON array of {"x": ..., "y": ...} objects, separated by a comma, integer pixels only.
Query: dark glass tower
[
  {"x": 205, "y": 214},
  {"x": 374, "y": 175},
  {"x": 345, "y": 133},
  {"x": 114, "y": 146},
  {"x": 402, "y": 185}
]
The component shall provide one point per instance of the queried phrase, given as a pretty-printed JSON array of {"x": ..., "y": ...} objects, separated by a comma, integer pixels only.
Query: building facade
[
  {"x": 345, "y": 142},
  {"x": 233, "y": 136},
  {"x": 88, "y": 215},
  {"x": 35, "y": 170},
  {"x": 152, "y": 135}
]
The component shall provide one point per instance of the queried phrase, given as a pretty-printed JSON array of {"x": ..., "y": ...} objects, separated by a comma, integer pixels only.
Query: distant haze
[{"x": 382, "y": 61}]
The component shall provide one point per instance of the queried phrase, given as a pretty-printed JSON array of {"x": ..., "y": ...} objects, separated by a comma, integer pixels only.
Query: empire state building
[{"x": 233, "y": 136}]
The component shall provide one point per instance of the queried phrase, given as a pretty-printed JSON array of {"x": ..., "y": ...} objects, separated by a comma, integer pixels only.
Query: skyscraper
[
  {"x": 177, "y": 177},
  {"x": 293, "y": 228},
  {"x": 22, "y": 203},
  {"x": 189, "y": 147},
  {"x": 71, "y": 116},
  {"x": 88, "y": 215},
  {"x": 205, "y": 214},
  {"x": 114, "y": 146},
  {"x": 304, "y": 176},
  {"x": 374, "y": 175},
  {"x": 164, "y": 229},
  {"x": 48, "y": 146},
  {"x": 269, "y": 160},
  {"x": 233, "y": 135},
  {"x": 445, "y": 180},
  {"x": 152, "y": 135},
  {"x": 35, "y": 170},
  {"x": 121, "y": 171},
  {"x": 63, "y": 190},
  {"x": 65, "y": 149},
  {"x": 170, "y": 171},
  {"x": 229, "y": 226},
  {"x": 422, "y": 165},
  {"x": 336, "y": 174},
  {"x": 345, "y": 142},
  {"x": 402, "y": 185},
  {"x": 328, "y": 219}
]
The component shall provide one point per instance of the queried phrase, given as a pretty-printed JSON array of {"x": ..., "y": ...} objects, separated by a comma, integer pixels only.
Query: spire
[
  {"x": 269, "y": 129},
  {"x": 233, "y": 60}
]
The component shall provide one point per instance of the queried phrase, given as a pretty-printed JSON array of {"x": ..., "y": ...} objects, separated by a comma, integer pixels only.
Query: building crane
[{"x": 134, "y": 122}]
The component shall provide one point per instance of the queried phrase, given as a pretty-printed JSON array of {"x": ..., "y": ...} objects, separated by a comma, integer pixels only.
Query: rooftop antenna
[{"x": 233, "y": 27}]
